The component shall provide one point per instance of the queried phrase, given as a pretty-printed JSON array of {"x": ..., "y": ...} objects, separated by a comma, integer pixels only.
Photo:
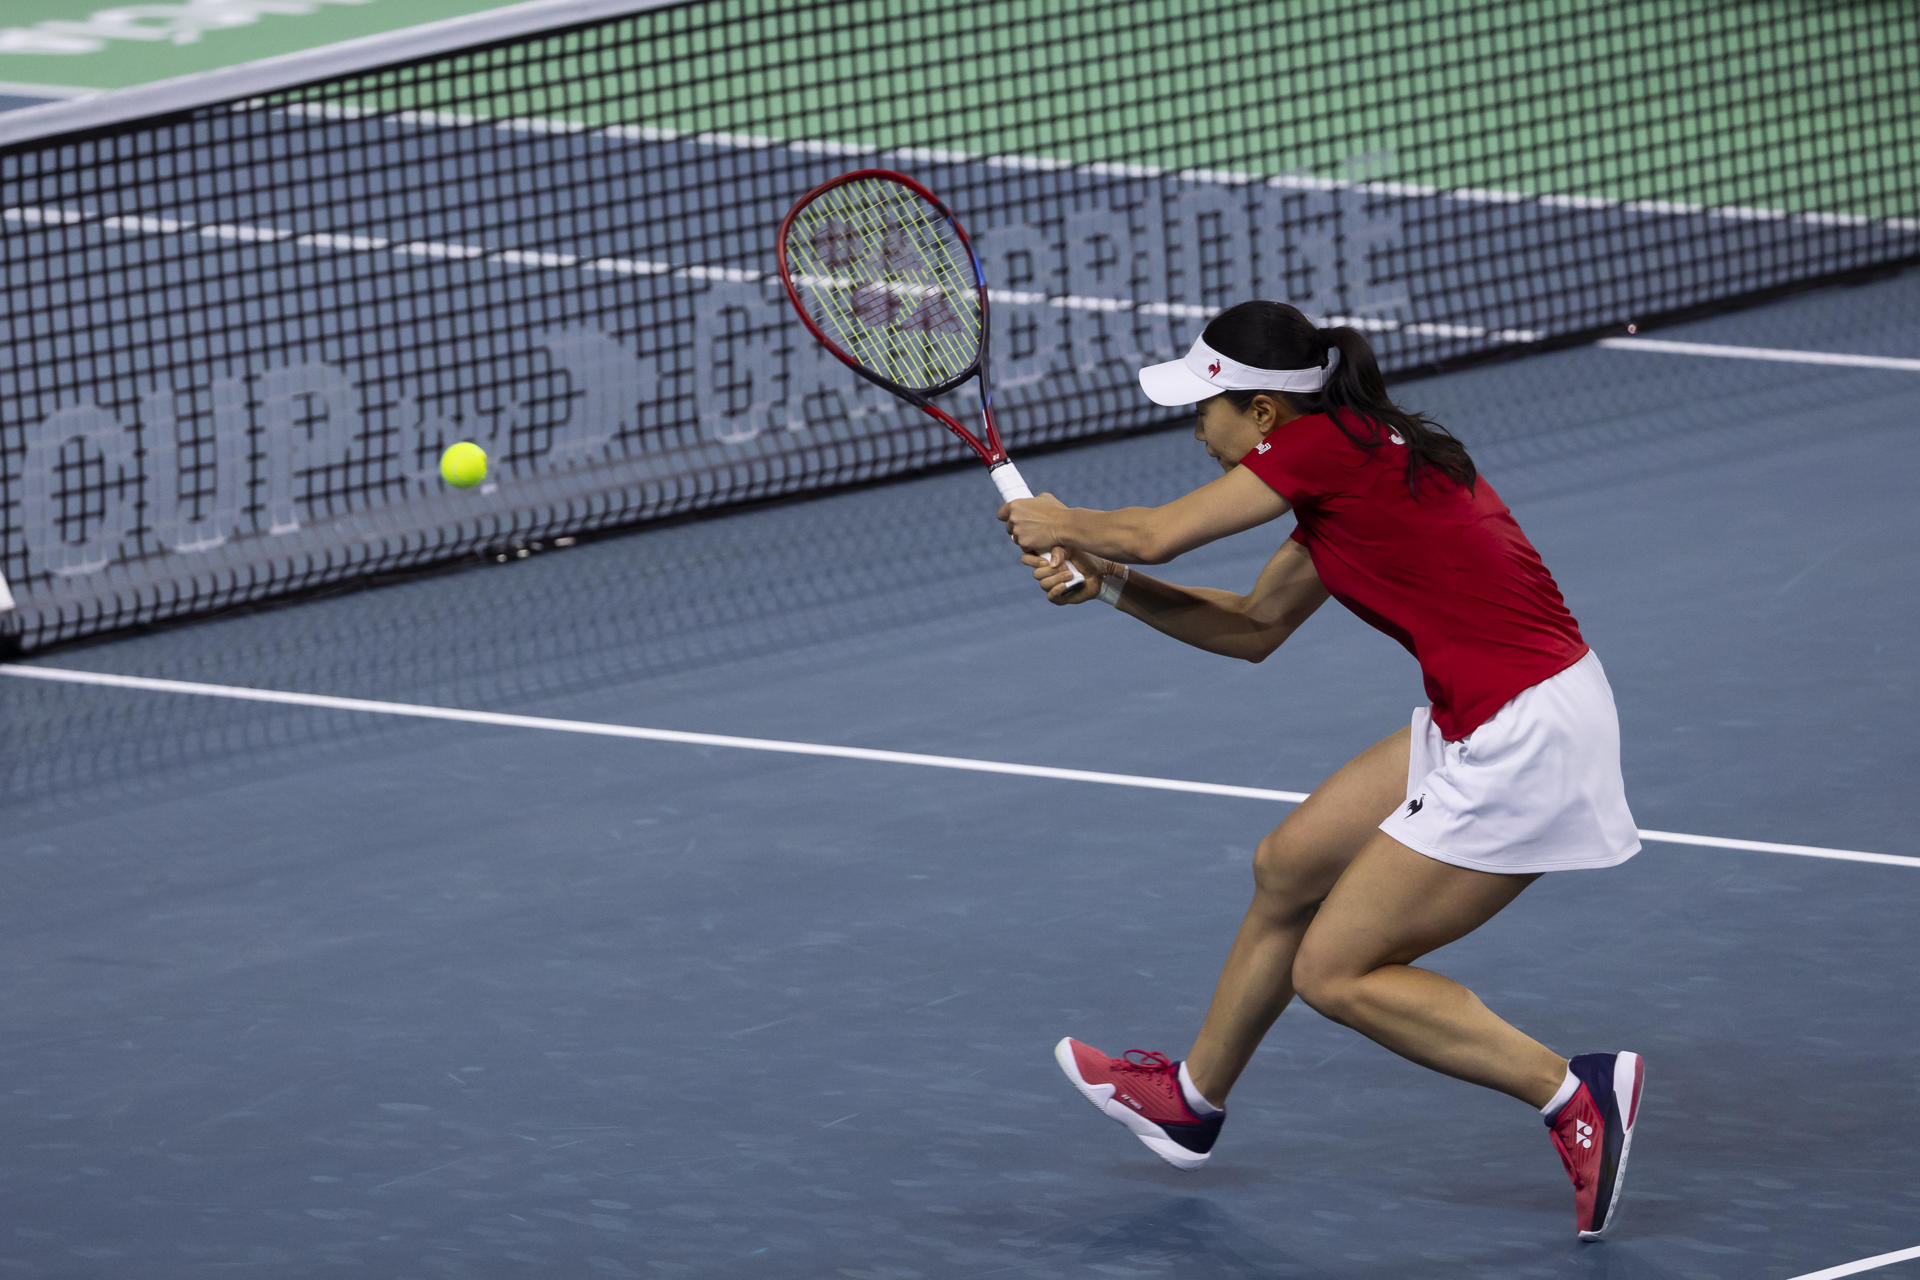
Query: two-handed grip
[{"x": 1007, "y": 479}]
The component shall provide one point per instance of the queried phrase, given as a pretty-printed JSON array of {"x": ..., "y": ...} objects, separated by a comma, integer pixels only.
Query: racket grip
[{"x": 1013, "y": 486}]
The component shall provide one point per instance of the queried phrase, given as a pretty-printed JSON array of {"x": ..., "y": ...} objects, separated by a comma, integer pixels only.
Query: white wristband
[{"x": 1112, "y": 584}]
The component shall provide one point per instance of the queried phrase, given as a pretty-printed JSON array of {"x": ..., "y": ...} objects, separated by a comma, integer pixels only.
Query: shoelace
[{"x": 1149, "y": 1062}]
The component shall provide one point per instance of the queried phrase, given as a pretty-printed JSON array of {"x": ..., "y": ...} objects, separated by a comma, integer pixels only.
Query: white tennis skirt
[{"x": 1536, "y": 788}]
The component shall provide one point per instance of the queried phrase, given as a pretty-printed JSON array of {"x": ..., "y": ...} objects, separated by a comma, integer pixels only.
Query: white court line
[
  {"x": 19, "y": 89},
  {"x": 64, "y": 675},
  {"x": 1308, "y": 182},
  {"x": 442, "y": 119},
  {"x": 1762, "y": 846},
  {"x": 52, "y": 216},
  {"x": 1762, "y": 353},
  {"x": 1865, "y": 1264}
]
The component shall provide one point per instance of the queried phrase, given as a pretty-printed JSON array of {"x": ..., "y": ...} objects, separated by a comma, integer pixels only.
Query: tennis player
[{"x": 1512, "y": 771}]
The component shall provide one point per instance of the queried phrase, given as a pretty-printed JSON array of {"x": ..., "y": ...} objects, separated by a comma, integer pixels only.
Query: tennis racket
[{"x": 883, "y": 276}]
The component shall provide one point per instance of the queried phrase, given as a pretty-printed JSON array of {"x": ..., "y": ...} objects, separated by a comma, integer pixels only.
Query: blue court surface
[{"x": 316, "y": 989}]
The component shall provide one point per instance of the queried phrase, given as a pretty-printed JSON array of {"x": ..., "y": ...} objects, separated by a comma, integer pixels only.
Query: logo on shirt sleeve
[{"x": 1262, "y": 447}]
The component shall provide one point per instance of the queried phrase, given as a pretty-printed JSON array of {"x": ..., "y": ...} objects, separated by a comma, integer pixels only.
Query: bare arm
[
  {"x": 1147, "y": 535},
  {"x": 1249, "y": 626}
]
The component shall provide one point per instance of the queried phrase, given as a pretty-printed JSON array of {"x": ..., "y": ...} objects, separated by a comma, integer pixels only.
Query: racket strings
[
  {"x": 885, "y": 276},
  {"x": 904, "y": 230},
  {"x": 902, "y": 318}
]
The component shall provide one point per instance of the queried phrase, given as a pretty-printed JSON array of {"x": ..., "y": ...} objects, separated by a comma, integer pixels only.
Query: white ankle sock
[
  {"x": 1567, "y": 1089},
  {"x": 1201, "y": 1107}
]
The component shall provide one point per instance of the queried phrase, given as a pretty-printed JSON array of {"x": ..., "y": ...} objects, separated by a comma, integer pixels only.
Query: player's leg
[
  {"x": 1393, "y": 906},
  {"x": 1294, "y": 868},
  {"x": 1355, "y": 965}
]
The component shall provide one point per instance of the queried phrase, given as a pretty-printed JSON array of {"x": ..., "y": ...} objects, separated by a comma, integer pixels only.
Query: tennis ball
[{"x": 463, "y": 465}]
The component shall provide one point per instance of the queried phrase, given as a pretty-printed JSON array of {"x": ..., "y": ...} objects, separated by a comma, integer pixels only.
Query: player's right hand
[{"x": 1051, "y": 572}]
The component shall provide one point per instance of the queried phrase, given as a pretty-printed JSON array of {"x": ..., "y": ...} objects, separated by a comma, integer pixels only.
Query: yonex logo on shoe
[
  {"x": 1130, "y": 1101},
  {"x": 1583, "y": 1133}
]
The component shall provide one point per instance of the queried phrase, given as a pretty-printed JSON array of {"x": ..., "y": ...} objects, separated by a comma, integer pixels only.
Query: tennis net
[{"x": 246, "y": 312}]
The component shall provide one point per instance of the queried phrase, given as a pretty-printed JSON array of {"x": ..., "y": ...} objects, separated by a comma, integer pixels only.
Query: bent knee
[
  {"x": 1291, "y": 874},
  {"x": 1324, "y": 981}
]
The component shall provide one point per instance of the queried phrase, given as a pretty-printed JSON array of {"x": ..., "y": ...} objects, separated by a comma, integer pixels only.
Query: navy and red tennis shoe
[
  {"x": 1593, "y": 1130},
  {"x": 1142, "y": 1091},
  {"x": 1594, "y": 1133}
]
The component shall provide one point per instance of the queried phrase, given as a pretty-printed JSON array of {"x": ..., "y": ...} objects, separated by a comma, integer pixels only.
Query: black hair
[{"x": 1273, "y": 335}]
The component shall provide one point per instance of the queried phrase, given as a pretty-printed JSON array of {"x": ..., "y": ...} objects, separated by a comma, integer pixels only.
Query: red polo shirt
[{"x": 1449, "y": 574}]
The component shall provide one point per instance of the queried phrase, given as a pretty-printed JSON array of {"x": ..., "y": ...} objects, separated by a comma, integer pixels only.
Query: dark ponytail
[{"x": 1273, "y": 335}]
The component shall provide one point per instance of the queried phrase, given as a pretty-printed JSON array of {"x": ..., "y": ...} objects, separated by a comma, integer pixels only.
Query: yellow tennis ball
[{"x": 463, "y": 465}]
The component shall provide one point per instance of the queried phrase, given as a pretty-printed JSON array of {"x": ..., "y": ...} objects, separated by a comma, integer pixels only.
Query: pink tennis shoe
[
  {"x": 1594, "y": 1133},
  {"x": 1142, "y": 1091}
]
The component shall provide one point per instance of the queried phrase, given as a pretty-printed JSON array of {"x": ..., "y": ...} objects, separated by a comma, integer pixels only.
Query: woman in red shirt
[{"x": 1514, "y": 769}]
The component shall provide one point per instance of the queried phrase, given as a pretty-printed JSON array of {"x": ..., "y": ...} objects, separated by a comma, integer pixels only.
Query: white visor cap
[{"x": 1204, "y": 373}]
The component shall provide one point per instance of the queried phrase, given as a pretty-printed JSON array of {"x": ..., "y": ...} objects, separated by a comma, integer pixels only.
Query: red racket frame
[{"x": 991, "y": 451}]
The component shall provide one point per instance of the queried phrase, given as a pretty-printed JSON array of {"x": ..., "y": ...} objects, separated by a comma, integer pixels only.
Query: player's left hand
[
  {"x": 1033, "y": 523},
  {"x": 1054, "y": 573}
]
